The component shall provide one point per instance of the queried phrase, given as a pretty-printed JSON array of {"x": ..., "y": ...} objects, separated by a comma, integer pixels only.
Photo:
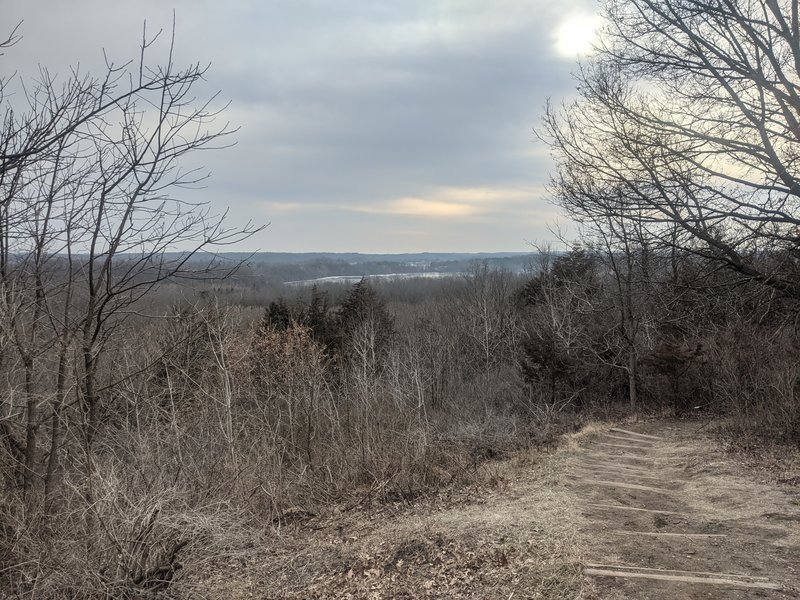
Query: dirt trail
[{"x": 667, "y": 516}]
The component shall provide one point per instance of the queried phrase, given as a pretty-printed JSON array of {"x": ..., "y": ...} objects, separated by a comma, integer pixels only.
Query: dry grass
[
  {"x": 590, "y": 431},
  {"x": 514, "y": 535}
]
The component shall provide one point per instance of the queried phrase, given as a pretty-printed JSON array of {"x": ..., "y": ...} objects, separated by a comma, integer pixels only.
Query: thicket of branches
[{"x": 686, "y": 128}]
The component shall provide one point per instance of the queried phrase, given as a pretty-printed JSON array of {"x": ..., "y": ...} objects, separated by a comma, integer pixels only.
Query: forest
[{"x": 148, "y": 416}]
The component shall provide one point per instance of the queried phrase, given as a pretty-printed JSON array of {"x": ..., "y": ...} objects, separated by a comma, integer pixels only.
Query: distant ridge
[
  {"x": 358, "y": 257},
  {"x": 325, "y": 267}
]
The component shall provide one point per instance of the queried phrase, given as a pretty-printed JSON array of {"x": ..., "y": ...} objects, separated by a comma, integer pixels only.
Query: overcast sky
[{"x": 368, "y": 126}]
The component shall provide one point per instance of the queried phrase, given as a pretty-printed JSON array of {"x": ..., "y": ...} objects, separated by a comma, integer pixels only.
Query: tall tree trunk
[
  {"x": 632, "y": 376},
  {"x": 31, "y": 426},
  {"x": 56, "y": 429}
]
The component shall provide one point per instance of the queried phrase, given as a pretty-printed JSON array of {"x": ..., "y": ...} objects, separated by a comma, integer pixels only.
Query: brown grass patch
[{"x": 514, "y": 535}]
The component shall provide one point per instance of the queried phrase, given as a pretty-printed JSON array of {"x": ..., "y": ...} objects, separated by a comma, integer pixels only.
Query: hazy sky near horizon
[{"x": 368, "y": 126}]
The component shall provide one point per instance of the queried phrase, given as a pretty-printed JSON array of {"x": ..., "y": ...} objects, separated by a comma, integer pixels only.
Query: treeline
[{"x": 663, "y": 331}]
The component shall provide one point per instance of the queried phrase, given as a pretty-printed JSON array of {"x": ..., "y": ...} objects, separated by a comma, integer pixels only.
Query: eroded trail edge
[{"x": 667, "y": 517}]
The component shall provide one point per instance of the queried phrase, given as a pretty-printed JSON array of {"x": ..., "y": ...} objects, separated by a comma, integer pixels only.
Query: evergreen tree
[
  {"x": 364, "y": 307},
  {"x": 278, "y": 316},
  {"x": 323, "y": 325}
]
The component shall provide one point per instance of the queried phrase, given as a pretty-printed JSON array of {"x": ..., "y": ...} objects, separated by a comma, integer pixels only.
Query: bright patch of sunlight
[
  {"x": 430, "y": 208},
  {"x": 576, "y": 34}
]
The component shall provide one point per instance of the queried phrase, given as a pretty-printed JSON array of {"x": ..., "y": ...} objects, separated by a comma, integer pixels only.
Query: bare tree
[
  {"x": 625, "y": 252},
  {"x": 687, "y": 123},
  {"x": 486, "y": 313},
  {"x": 95, "y": 213}
]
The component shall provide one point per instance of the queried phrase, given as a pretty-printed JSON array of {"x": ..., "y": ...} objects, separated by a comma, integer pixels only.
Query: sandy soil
[{"x": 545, "y": 525}]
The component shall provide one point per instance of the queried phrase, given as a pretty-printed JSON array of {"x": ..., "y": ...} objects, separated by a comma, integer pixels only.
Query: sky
[{"x": 365, "y": 126}]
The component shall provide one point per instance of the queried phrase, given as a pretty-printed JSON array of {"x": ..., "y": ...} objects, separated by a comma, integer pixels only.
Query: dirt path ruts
[{"x": 668, "y": 517}]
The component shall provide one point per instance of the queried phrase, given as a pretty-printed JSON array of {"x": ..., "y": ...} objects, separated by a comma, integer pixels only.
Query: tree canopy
[{"x": 688, "y": 124}]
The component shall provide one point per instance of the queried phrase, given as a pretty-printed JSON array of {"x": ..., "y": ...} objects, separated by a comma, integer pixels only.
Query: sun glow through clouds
[{"x": 576, "y": 34}]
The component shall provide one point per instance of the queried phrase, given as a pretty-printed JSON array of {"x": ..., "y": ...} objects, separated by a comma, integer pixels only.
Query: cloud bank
[{"x": 380, "y": 126}]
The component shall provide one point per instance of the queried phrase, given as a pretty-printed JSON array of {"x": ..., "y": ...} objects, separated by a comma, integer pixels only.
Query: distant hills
[
  {"x": 359, "y": 258},
  {"x": 281, "y": 267}
]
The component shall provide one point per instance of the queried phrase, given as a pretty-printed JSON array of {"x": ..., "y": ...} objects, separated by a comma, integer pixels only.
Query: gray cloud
[{"x": 371, "y": 126}]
